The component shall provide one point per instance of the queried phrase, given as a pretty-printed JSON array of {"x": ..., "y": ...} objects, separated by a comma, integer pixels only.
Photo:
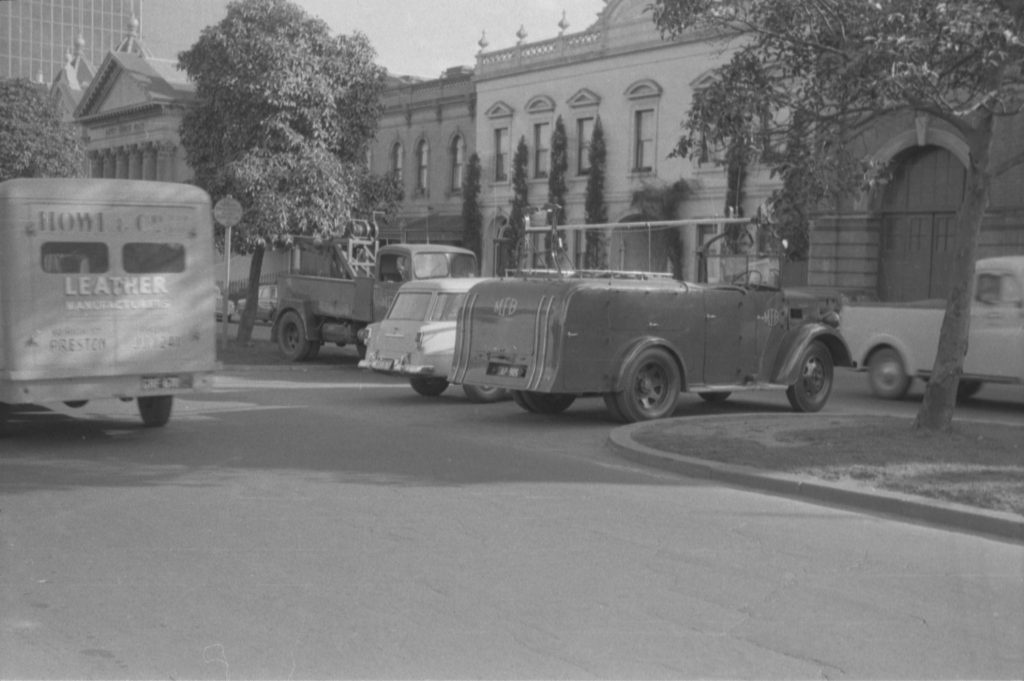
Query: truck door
[
  {"x": 730, "y": 336},
  {"x": 995, "y": 346}
]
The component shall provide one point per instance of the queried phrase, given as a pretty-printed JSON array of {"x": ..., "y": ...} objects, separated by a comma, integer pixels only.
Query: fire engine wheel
[
  {"x": 652, "y": 383},
  {"x": 543, "y": 403},
  {"x": 483, "y": 394},
  {"x": 814, "y": 384},
  {"x": 428, "y": 387},
  {"x": 887, "y": 376},
  {"x": 155, "y": 411},
  {"x": 292, "y": 339}
]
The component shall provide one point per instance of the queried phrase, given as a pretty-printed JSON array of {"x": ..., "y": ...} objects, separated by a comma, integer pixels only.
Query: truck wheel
[
  {"x": 483, "y": 394},
  {"x": 292, "y": 339},
  {"x": 814, "y": 384},
  {"x": 967, "y": 389},
  {"x": 652, "y": 387},
  {"x": 887, "y": 376},
  {"x": 155, "y": 411},
  {"x": 428, "y": 387},
  {"x": 715, "y": 397},
  {"x": 549, "y": 403},
  {"x": 542, "y": 403},
  {"x": 611, "y": 403}
]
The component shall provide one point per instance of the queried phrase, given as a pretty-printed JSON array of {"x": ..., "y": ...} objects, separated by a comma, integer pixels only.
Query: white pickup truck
[{"x": 897, "y": 342}]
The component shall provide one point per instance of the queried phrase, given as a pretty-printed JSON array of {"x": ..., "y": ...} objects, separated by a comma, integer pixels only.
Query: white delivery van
[{"x": 106, "y": 291}]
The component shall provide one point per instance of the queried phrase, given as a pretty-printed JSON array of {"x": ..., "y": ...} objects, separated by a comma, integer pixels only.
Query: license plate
[
  {"x": 506, "y": 370},
  {"x": 154, "y": 383},
  {"x": 382, "y": 364}
]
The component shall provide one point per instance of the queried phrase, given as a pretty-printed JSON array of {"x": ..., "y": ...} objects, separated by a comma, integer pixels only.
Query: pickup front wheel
[
  {"x": 887, "y": 376},
  {"x": 652, "y": 383},
  {"x": 814, "y": 384},
  {"x": 156, "y": 410}
]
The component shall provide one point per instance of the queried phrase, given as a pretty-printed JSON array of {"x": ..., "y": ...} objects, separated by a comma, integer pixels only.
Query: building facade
[{"x": 424, "y": 139}]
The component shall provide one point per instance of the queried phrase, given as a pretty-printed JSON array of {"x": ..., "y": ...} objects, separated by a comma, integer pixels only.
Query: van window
[
  {"x": 447, "y": 308},
  {"x": 74, "y": 257},
  {"x": 410, "y": 307},
  {"x": 148, "y": 258}
]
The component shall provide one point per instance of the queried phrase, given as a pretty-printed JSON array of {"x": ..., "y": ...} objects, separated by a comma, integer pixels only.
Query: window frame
[
  {"x": 541, "y": 150},
  {"x": 501, "y": 137},
  {"x": 583, "y": 144}
]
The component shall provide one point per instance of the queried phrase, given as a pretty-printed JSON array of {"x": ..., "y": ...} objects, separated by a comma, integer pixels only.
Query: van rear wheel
[
  {"x": 155, "y": 411},
  {"x": 543, "y": 403}
]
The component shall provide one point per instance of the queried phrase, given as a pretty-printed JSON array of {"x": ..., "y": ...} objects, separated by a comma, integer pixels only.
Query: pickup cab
[{"x": 897, "y": 342}]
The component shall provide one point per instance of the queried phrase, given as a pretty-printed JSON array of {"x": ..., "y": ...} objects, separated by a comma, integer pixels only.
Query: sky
[{"x": 423, "y": 38}]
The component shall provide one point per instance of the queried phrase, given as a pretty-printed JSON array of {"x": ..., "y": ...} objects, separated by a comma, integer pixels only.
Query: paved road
[{"x": 322, "y": 522}]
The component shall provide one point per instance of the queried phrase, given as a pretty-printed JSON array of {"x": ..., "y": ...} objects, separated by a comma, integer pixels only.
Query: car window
[
  {"x": 997, "y": 289},
  {"x": 410, "y": 306},
  {"x": 447, "y": 307},
  {"x": 430, "y": 265},
  {"x": 146, "y": 258}
]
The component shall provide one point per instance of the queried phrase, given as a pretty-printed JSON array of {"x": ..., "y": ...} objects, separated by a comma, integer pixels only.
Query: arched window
[
  {"x": 396, "y": 161},
  {"x": 422, "y": 166},
  {"x": 458, "y": 159}
]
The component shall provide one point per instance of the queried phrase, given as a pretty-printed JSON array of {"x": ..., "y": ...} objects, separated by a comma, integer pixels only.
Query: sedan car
[
  {"x": 416, "y": 339},
  {"x": 266, "y": 304}
]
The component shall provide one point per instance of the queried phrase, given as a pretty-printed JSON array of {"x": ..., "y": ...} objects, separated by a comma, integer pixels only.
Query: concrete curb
[{"x": 1007, "y": 526}]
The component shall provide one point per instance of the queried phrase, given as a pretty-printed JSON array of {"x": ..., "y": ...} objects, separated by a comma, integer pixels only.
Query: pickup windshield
[{"x": 443, "y": 265}]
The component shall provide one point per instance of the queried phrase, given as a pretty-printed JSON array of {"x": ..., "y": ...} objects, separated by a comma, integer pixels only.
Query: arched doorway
[{"x": 919, "y": 223}]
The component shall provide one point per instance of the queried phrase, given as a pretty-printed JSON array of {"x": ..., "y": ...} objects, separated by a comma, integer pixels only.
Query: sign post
[{"x": 228, "y": 212}]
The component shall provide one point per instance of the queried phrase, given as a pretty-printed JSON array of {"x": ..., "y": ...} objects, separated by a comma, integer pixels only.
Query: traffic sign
[{"x": 228, "y": 211}]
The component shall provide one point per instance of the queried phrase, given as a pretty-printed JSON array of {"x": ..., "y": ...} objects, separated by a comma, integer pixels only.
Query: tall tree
[
  {"x": 34, "y": 141},
  {"x": 472, "y": 215},
  {"x": 557, "y": 188},
  {"x": 516, "y": 241},
  {"x": 596, "y": 211},
  {"x": 817, "y": 73},
  {"x": 284, "y": 115}
]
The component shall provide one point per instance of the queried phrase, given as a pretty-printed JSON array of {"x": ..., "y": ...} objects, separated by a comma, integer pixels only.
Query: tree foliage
[
  {"x": 34, "y": 141},
  {"x": 472, "y": 215},
  {"x": 283, "y": 119},
  {"x": 595, "y": 209},
  {"x": 557, "y": 188},
  {"x": 807, "y": 78}
]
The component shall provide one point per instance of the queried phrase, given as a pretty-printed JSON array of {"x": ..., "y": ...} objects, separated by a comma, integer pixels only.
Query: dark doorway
[{"x": 919, "y": 224}]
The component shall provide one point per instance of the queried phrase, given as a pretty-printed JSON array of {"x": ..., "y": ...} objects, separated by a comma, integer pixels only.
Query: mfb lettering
[{"x": 114, "y": 286}]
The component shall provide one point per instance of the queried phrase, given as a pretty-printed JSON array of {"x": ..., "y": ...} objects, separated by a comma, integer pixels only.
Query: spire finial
[
  {"x": 563, "y": 24},
  {"x": 483, "y": 41},
  {"x": 521, "y": 33}
]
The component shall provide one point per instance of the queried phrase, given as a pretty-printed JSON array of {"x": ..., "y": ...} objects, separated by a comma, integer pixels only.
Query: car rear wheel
[
  {"x": 814, "y": 384},
  {"x": 652, "y": 384},
  {"x": 155, "y": 411},
  {"x": 484, "y": 393},
  {"x": 292, "y": 339},
  {"x": 715, "y": 397},
  {"x": 887, "y": 376},
  {"x": 428, "y": 387}
]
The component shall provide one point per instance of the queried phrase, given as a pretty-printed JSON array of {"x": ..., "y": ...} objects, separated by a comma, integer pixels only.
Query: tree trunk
[
  {"x": 252, "y": 297},
  {"x": 936, "y": 412}
]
